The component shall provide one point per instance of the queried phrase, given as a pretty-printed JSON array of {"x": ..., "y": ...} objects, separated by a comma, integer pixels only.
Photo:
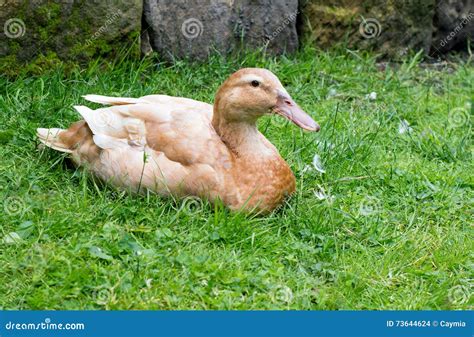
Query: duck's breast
[{"x": 262, "y": 184}]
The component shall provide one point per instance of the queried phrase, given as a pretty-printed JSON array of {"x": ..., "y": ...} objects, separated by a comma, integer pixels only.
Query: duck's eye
[{"x": 255, "y": 83}]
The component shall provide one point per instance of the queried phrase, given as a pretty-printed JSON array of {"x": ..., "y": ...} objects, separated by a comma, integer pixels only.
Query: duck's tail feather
[
  {"x": 50, "y": 138},
  {"x": 113, "y": 100}
]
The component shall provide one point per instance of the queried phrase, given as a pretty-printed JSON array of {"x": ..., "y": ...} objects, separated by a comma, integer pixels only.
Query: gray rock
[
  {"x": 453, "y": 24},
  {"x": 269, "y": 22},
  {"x": 195, "y": 29}
]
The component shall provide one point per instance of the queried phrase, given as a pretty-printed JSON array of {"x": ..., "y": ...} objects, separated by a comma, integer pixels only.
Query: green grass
[{"x": 394, "y": 231}]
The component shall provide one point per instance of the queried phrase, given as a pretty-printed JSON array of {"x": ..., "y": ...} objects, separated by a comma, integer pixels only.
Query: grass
[{"x": 387, "y": 226}]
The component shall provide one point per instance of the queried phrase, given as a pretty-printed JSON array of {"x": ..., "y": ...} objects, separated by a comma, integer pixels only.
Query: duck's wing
[
  {"x": 167, "y": 102},
  {"x": 157, "y": 142},
  {"x": 178, "y": 127}
]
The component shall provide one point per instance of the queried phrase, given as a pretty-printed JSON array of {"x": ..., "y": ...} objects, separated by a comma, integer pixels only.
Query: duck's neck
[{"x": 242, "y": 138}]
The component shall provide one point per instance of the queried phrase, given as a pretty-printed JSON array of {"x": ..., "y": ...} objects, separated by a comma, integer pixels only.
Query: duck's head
[{"x": 251, "y": 93}]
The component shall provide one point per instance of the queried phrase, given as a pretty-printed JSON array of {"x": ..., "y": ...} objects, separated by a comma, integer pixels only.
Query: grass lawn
[{"x": 388, "y": 225}]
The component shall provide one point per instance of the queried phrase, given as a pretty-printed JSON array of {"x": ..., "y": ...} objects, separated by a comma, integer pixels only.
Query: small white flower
[
  {"x": 148, "y": 282},
  {"x": 369, "y": 206},
  {"x": 332, "y": 92},
  {"x": 317, "y": 164},
  {"x": 404, "y": 127},
  {"x": 321, "y": 194},
  {"x": 306, "y": 168},
  {"x": 12, "y": 238},
  {"x": 372, "y": 96}
]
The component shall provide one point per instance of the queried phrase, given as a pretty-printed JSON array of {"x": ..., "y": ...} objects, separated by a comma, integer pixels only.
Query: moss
[
  {"x": 396, "y": 26},
  {"x": 57, "y": 36},
  {"x": 14, "y": 47},
  {"x": 9, "y": 66},
  {"x": 44, "y": 63},
  {"x": 81, "y": 56}
]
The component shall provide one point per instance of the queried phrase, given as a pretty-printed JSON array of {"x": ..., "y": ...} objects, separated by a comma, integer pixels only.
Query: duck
[{"x": 178, "y": 147}]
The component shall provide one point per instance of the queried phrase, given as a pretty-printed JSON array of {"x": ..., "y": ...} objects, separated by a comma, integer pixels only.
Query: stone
[
  {"x": 196, "y": 29},
  {"x": 453, "y": 25},
  {"x": 391, "y": 28},
  {"x": 269, "y": 22},
  {"x": 67, "y": 29}
]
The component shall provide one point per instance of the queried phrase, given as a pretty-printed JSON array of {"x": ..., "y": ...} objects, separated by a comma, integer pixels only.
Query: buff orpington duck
[{"x": 180, "y": 147}]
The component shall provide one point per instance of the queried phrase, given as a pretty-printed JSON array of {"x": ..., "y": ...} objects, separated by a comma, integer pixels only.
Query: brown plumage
[{"x": 182, "y": 147}]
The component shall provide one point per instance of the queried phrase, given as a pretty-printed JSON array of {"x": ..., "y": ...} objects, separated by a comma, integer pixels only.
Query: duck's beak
[{"x": 286, "y": 107}]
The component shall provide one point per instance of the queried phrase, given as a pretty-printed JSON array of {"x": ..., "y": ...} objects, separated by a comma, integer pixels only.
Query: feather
[
  {"x": 112, "y": 100},
  {"x": 50, "y": 138}
]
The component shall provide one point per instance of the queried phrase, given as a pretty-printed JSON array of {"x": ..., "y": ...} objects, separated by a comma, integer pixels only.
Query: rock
[
  {"x": 195, "y": 29},
  {"x": 391, "y": 28},
  {"x": 270, "y": 22},
  {"x": 454, "y": 25},
  {"x": 68, "y": 29},
  {"x": 82, "y": 29},
  {"x": 145, "y": 46},
  {"x": 176, "y": 31}
]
